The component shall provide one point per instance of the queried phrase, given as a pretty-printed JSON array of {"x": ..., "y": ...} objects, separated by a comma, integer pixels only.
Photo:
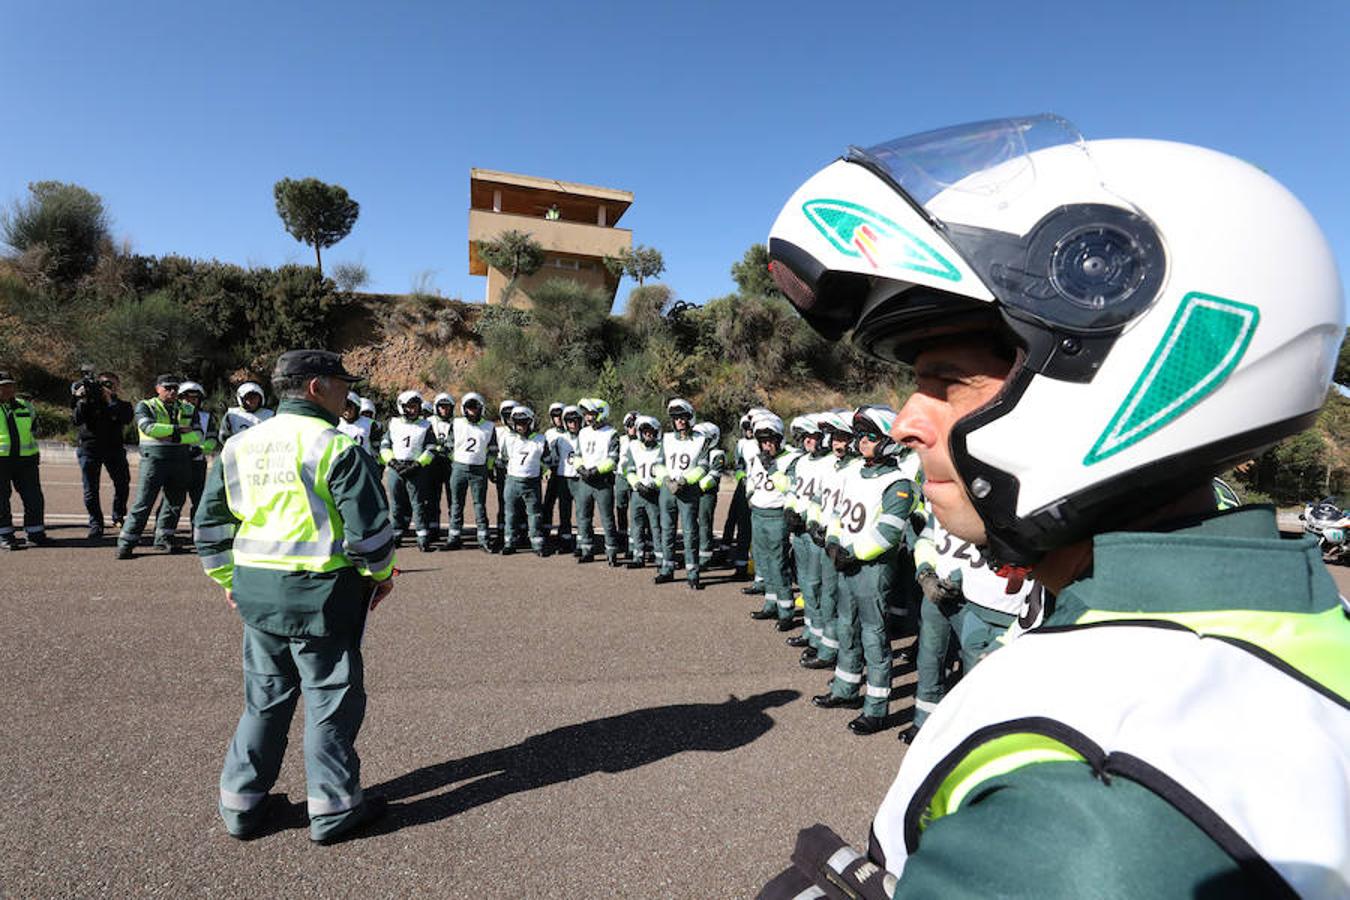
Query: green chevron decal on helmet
[
  {"x": 857, "y": 231},
  {"x": 1203, "y": 343}
]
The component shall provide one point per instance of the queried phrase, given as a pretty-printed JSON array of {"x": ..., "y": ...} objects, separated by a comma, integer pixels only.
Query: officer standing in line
[
  {"x": 294, "y": 527},
  {"x": 19, "y": 460},
  {"x": 551, "y": 482},
  {"x": 567, "y": 452},
  {"x": 102, "y": 418},
  {"x": 804, "y": 473},
  {"x": 869, "y": 534},
  {"x": 684, "y": 465},
  {"x": 193, "y": 395},
  {"x": 963, "y": 598},
  {"x": 837, "y": 425},
  {"x": 1095, "y": 331},
  {"x": 641, "y": 468},
  {"x": 498, "y": 473},
  {"x": 248, "y": 413},
  {"x": 767, "y": 485},
  {"x": 475, "y": 447},
  {"x": 168, "y": 429},
  {"x": 595, "y": 480},
  {"x": 708, "y": 485},
  {"x": 438, "y": 473},
  {"x": 621, "y": 488},
  {"x": 523, "y": 454},
  {"x": 356, "y": 426},
  {"x": 738, "y": 515},
  {"x": 407, "y": 450}
]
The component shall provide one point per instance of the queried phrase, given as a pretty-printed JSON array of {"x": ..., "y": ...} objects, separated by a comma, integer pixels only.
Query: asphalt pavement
[{"x": 541, "y": 728}]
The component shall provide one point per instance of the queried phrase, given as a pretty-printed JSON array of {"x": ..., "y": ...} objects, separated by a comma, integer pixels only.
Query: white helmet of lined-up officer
[
  {"x": 410, "y": 399},
  {"x": 710, "y": 431},
  {"x": 680, "y": 407},
  {"x": 444, "y": 399},
  {"x": 594, "y": 405},
  {"x": 247, "y": 388},
  {"x": 1169, "y": 310}
]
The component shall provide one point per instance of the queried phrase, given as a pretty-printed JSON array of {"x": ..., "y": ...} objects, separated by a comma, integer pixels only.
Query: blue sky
[{"x": 182, "y": 115}]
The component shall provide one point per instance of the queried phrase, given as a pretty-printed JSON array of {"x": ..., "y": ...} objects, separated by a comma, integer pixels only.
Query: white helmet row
[
  {"x": 355, "y": 400},
  {"x": 407, "y": 397},
  {"x": 1168, "y": 310},
  {"x": 571, "y": 412},
  {"x": 709, "y": 431},
  {"x": 186, "y": 387},
  {"x": 504, "y": 410},
  {"x": 444, "y": 398},
  {"x": 522, "y": 413},
  {"x": 475, "y": 398},
  {"x": 367, "y": 406},
  {"x": 248, "y": 387}
]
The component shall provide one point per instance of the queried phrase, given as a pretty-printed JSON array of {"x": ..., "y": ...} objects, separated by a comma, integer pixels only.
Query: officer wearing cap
[
  {"x": 168, "y": 428},
  {"x": 19, "y": 466},
  {"x": 295, "y": 528}
]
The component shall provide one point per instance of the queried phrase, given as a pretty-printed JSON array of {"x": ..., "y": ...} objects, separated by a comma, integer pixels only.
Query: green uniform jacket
[
  {"x": 162, "y": 437},
  {"x": 311, "y": 604},
  {"x": 1057, "y": 830}
]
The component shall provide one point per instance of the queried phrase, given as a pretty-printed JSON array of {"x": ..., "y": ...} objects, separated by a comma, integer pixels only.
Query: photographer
[{"x": 101, "y": 417}]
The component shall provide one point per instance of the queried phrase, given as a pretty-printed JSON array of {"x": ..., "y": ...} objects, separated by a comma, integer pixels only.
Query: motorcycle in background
[{"x": 1326, "y": 521}]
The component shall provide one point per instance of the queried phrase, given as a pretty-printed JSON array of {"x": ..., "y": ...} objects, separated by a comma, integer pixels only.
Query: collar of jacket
[
  {"x": 306, "y": 408},
  {"x": 1228, "y": 560}
]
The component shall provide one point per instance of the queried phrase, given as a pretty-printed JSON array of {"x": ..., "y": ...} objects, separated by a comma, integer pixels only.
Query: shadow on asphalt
[{"x": 612, "y": 744}]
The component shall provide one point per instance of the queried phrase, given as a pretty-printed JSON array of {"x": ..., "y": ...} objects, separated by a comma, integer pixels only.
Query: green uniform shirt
[
  {"x": 1054, "y": 829},
  {"x": 311, "y": 604}
]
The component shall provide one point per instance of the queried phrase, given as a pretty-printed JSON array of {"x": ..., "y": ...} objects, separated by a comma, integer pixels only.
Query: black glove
[
  {"x": 816, "y": 531},
  {"x": 674, "y": 484},
  {"x": 650, "y": 492},
  {"x": 841, "y": 556},
  {"x": 938, "y": 590},
  {"x": 795, "y": 523},
  {"x": 816, "y": 861}
]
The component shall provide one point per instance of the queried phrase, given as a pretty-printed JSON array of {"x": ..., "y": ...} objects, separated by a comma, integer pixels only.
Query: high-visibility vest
[
  {"x": 1180, "y": 726},
  {"x": 159, "y": 431},
  {"x": 22, "y": 415},
  {"x": 276, "y": 484}
]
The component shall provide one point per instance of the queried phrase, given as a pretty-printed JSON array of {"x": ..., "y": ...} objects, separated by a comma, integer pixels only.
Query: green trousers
[
  {"x": 808, "y": 557},
  {"x": 827, "y": 600},
  {"x": 623, "y": 499},
  {"x": 860, "y": 627},
  {"x": 328, "y": 673},
  {"x": 472, "y": 480},
  {"x": 683, "y": 503},
  {"x": 644, "y": 528},
  {"x": 522, "y": 496},
  {"x": 769, "y": 546},
  {"x": 596, "y": 494},
  {"x": 736, "y": 529},
  {"x": 438, "y": 487},
  {"x": 707, "y": 509},
  {"x": 976, "y": 630},
  {"x": 21, "y": 474},
  {"x": 169, "y": 473},
  {"x": 408, "y": 500},
  {"x": 196, "y": 483}
]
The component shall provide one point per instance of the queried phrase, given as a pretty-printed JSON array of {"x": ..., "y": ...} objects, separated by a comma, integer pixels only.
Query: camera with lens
[{"x": 88, "y": 387}]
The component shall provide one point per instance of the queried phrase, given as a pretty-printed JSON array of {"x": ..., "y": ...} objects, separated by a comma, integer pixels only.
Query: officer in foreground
[
  {"x": 1096, "y": 329},
  {"x": 295, "y": 528}
]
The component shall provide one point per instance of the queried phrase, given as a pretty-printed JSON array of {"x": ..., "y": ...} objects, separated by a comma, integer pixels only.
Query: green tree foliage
[
  {"x": 752, "y": 276},
  {"x": 1342, "y": 375},
  {"x": 57, "y": 229},
  {"x": 639, "y": 263},
  {"x": 350, "y": 276},
  {"x": 315, "y": 213},
  {"x": 140, "y": 337},
  {"x": 514, "y": 253}
]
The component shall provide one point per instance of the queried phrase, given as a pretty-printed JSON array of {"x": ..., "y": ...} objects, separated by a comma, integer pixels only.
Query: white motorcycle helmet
[
  {"x": 800, "y": 427},
  {"x": 711, "y": 433},
  {"x": 682, "y": 407},
  {"x": 649, "y": 422},
  {"x": 445, "y": 398},
  {"x": 595, "y": 405},
  {"x": 1171, "y": 310},
  {"x": 504, "y": 411},
  {"x": 766, "y": 423},
  {"x": 875, "y": 419},
  {"x": 249, "y": 387},
  {"x": 367, "y": 406},
  {"x": 355, "y": 400},
  {"x": 521, "y": 413},
  {"x": 187, "y": 387},
  {"x": 408, "y": 397},
  {"x": 473, "y": 397}
]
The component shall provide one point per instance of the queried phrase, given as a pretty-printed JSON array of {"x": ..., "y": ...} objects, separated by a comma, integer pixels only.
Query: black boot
[{"x": 663, "y": 577}]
